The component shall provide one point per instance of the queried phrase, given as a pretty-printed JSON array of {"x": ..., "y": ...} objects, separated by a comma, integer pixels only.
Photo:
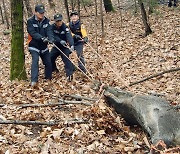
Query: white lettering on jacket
[
  {"x": 35, "y": 25},
  {"x": 56, "y": 31},
  {"x": 63, "y": 32},
  {"x": 45, "y": 25}
]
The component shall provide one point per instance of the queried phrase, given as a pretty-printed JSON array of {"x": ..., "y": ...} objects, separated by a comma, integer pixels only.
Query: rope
[
  {"x": 72, "y": 62},
  {"x": 80, "y": 61},
  {"x": 118, "y": 75}
]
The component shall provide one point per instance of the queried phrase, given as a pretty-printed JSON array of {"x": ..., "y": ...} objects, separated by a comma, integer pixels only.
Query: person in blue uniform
[
  {"x": 79, "y": 34},
  {"x": 39, "y": 34},
  {"x": 62, "y": 39}
]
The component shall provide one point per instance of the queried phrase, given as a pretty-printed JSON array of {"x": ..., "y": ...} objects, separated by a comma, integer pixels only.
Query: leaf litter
[{"x": 131, "y": 56}]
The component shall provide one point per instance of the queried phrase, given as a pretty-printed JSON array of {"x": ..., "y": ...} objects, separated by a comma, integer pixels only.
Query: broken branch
[
  {"x": 153, "y": 76},
  {"x": 19, "y": 122},
  {"x": 49, "y": 123},
  {"x": 61, "y": 102},
  {"x": 81, "y": 97}
]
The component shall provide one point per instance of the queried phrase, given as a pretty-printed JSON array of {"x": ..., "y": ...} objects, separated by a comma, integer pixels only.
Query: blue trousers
[
  {"x": 79, "y": 50},
  {"x": 35, "y": 65},
  {"x": 69, "y": 67}
]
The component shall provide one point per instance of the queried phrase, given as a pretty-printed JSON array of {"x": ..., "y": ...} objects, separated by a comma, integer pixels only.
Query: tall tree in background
[
  {"x": 28, "y": 7},
  {"x": 6, "y": 15},
  {"x": 144, "y": 18},
  {"x": 108, "y": 5},
  {"x": 78, "y": 1},
  {"x": 67, "y": 8},
  {"x": 102, "y": 20},
  {"x": 17, "y": 41},
  {"x": 51, "y": 4},
  {"x": 2, "y": 17}
]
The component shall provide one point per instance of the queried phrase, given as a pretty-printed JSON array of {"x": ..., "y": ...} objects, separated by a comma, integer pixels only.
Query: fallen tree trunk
[{"x": 160, "y": 120}]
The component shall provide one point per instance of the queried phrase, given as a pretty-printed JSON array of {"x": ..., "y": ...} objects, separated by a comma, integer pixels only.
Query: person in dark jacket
[
  {"x": 80, "y": 37},
  {"x": 39, "y": 34},
  {"x": 62, "y": 39},
  {"x": 172, "y": 4}
]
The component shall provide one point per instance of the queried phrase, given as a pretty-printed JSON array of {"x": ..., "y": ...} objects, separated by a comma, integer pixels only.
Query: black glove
[
  {"x": 63, "y": 42},
  {"x": 51, "y": 41},
  {"x": 78, "y": 37},
  {"x": 85, "y": 39},
  {"x": 45, "y": 40}
]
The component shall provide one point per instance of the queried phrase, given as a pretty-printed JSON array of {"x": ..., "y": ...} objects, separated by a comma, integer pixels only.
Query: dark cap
[
  {"x": 58, "y": 17},
  {"x": 40, "y": 8},
  {"x": 73, "y": 13}
]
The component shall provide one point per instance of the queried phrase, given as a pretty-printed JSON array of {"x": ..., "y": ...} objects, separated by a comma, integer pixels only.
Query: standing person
[
  {"x": 62, "y": 39},
  {"x": 39, "y": 34},
  {"x": 80, "y": 37}
]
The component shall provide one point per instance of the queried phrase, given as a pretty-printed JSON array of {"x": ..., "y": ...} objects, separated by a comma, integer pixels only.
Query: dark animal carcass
[{"x": 154, "y": 114}]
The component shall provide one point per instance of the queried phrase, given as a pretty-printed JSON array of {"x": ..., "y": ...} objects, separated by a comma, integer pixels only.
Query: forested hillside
[{"x": 89, "y": 125}]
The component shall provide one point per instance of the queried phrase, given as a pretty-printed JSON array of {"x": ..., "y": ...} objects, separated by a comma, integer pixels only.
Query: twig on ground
[
  {"x": 81, "y": 97},
  {"x": 61, "y": 102},
  {"x": 153, "y": 76},
  {"x": 20, "y": 122},
  {"x": 49, "y": 123},
  {"x": 74, "y": 102}
]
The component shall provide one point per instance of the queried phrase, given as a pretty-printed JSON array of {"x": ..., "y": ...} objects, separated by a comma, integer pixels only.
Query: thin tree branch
[
  {"x": 61, "y": 102},
  {"x": 81, "y": 97},
  {"x": 153, "y": 76},
  {"x": 74, "y": 102},
  {"x": 49, "y": 123},
  {"x": 20, "y": 122}
]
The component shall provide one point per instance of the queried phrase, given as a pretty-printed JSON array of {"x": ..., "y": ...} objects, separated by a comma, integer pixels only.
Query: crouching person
[
  {"x": 63, "y": 40},
  {"x": 39, "y": 34}
]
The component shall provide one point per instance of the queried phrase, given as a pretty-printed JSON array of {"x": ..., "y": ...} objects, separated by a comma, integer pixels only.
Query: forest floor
[{"x": 95, "y": 128}]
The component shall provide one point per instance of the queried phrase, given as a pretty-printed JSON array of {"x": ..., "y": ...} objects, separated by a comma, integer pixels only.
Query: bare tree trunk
[
  {"x": 102, "y": 20},
  {"x": 84, "y": 6},
  {"x": 151, "y": 8},
  {"x": 108, "y": 5},
  {"x": 6, "y": 15},
  {"x": 67, "y": 9},
  {"x": 79, "y": 5},
  {"x": 96, "y": 25},
  {"x": 135, "y": 3},
  {"x": 120, "y": 12},
  {"x": 28, "y": 7},
  {"x": 72, "y": 5},
  {"x": 51, "y": 4},
  {"x": 2, "y": 17},
  {"x": 144, "y": 18}
]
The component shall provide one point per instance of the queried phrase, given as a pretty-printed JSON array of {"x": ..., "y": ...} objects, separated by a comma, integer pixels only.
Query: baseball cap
[
  {"x": 73, "y": 13},
  {"x": 58, "y": 17},
  {"x": 40, "y": 8}
]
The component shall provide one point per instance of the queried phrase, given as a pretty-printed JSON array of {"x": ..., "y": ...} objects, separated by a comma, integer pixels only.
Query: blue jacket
[
  {"x": 62, "y": 33},
  {"x": 37, "y": 30},
  {"x": 77, "y": 28}
]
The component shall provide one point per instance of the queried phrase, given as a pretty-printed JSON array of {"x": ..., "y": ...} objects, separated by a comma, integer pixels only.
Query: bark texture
[{"x": 17, "y": 41}]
